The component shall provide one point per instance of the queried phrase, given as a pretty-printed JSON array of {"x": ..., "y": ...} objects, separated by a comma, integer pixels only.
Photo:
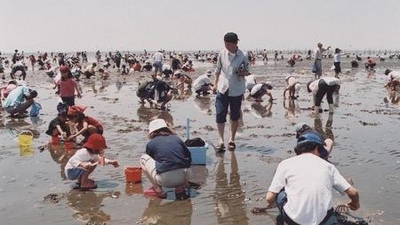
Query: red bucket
[{"x": 133, "y": 174}]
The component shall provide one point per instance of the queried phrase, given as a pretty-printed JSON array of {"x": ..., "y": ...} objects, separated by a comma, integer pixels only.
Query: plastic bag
[{"x": 35, "y": 109}]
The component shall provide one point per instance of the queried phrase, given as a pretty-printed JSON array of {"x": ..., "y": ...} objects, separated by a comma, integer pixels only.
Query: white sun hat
[{"x": 156, "y": 125}]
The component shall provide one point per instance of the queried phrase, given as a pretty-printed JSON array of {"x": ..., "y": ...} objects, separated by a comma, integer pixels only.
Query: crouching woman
[{"x": 167, "y": 160}]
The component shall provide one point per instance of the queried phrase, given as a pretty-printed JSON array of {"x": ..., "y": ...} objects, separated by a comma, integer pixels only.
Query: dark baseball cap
[
  {"x": 231, "y": 37},
  {"x": 314, "y": 137}
]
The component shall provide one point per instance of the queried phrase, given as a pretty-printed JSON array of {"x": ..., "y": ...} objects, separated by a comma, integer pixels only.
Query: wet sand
[{"x": 364, "y": 127}]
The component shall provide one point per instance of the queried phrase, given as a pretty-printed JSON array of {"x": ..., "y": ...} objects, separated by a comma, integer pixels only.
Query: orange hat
[
  {"x": 75, "y": 109},
  {"x": 96, "y": 142}
]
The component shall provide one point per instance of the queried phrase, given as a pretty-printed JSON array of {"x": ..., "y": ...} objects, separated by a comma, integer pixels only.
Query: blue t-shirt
[
  {"x": 16, "y": 97},
  {"x": 169, "y": 152}
]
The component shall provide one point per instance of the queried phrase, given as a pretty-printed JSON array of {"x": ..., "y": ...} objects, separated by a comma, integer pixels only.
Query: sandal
[
  {"x": 256, "y": 210},
  {"x": 220, "y": 147},
  {"x": 231, "y": 146},
  {"x": 90, "y": 186},
  {"x": 152, "y": 192}
]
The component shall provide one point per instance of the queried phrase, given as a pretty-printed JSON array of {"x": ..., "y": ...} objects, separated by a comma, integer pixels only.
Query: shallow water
[{"x": 364, "y": 127}]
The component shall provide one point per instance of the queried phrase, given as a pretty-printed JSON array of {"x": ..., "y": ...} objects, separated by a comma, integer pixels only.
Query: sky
[{"x": 186, "y": 25}]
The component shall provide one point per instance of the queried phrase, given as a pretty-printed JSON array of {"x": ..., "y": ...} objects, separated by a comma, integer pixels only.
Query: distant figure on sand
[
  {"x": 160, "y": 92},
  {"x": 158, "y": 61},
  {"x": 369, "y": 63},
  {"x": 261, "y": 89},
  {"x": 68, "y": 86},
  {"x": 336, "y": 62},
  {"x": 85, "y": 160},
  {"x": 19, "y": 66},
  {"x": 291, "y": 85},
  {"x": 203, "y": 84},
  {"x": 317, "y": 67},
  {"x": 90, "y": 71},
  {"x": 229, "y": 85},
  {"x": 183, "y": 81},
  {"x": 167, "y": 160},
  {"x": 320, "y": 87}
]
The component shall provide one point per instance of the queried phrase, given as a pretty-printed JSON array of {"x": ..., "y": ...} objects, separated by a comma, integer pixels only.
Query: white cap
[
  {"x": 156, "y": 125},
  {"x": 158, "y": 77},
  {"x": 209, "y": 72}
]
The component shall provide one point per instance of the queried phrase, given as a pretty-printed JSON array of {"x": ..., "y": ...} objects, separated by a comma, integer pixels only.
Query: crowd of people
[{"x": 302, "y": 185}]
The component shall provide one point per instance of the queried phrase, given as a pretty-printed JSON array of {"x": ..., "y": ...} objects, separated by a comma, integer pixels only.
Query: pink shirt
[{"x": 67, "y": 87}]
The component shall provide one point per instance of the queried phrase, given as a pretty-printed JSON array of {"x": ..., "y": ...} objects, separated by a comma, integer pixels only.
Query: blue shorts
[
  {"x": 158, "y": 66},
  {"x": 222, "y": 102},
  {"x": 75, "y": 173}
]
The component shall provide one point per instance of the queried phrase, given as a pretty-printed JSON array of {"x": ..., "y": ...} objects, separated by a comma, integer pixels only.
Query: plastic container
[
  {"x": 133, "y": 174},
  {"x": 25, "y": 138},
  {"x": 198, "y": 154}
]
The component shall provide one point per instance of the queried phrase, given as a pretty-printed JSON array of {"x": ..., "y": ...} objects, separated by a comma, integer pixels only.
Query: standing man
[
  {"x": 229, "y": 85},
  {"x": 158, "y": 61},
  {"x": 317, "y": 69}
]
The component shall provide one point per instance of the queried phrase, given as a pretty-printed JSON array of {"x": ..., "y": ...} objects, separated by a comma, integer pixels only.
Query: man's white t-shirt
[{"x": 308, "y": 181}]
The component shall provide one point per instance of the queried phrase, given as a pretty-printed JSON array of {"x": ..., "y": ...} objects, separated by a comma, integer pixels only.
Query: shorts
[
  {"x": 222, "y": 102},
  {"x": 337, "y": 67},
  {"x": 74, "y": 173},
  {"x": 259, "y": 93},
  {"x": 69, "y": 100},
  {"x": 158, "y": 66}
]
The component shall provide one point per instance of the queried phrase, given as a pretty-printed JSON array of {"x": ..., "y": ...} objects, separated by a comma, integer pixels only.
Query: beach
[{"x": 364, "y": 127}]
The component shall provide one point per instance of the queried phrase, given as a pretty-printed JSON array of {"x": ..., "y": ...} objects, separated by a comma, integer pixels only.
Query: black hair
[
  {"x": 303, "y": 128},
  {"x": 33, "y": 94},
  {"x": 306, "y": 147}
]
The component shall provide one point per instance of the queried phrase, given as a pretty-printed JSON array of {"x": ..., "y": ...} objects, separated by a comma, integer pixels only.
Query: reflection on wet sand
[
  {"x": 328, "y": 127},
  {"x": 262, "y": 110},
  {"x": 203, "y": 104},
  {"x": 60, "y": 153},
  {"x": 146, "y": 114},
  {"x": 160, "y": 211},
  {"x": 229, "y": 197},
  {"x": 86, "y": 205},
  {"x": 290, "y": 113}
]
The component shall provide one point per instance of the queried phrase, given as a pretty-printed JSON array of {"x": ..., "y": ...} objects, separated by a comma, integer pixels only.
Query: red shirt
[{"x": 67, "y": 87}]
